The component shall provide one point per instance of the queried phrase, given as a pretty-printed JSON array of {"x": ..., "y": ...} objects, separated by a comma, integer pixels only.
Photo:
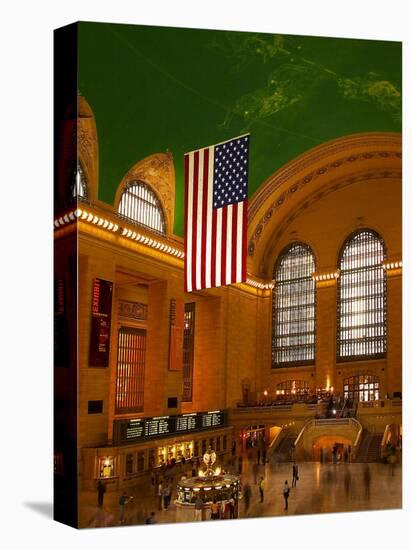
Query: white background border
[{"x": 26, "y": 269}]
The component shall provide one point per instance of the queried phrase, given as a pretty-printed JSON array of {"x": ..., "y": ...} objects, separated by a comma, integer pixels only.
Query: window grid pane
[
  {"x": 140, "y": 205},
  {"x": 362, "y": 298},
  {"x": 188, "y": 351},
  {"x": 294, "y": 308},
  {"x": 361, "y": 388},
  {"x": 131, "y": 353}
]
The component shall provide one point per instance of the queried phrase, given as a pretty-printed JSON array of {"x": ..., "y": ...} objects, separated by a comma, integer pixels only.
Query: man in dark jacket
[{"x": 295, "y": 472}]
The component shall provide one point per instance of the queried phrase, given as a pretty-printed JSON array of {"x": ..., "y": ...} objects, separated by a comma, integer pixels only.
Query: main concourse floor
[{"x": 321, "y": 488}]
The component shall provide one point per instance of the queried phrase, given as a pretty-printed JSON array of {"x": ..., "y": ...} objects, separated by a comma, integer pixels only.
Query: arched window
[
  {"x": 78, "y": 184},
  {"x": 363, "y": 387},
  {"x": 362, "y": 298},
  {"x": 139, "y": 204},
  {"x": 293, "y": 307}
]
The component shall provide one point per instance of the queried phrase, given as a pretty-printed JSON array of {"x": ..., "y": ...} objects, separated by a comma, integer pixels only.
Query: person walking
[
  {"x": 367, "y": 480},
  {"x": 198, "y": 508},
  {"x": 101, "y": 489},
  {"x": 123, "y": 500},
  {"x": 258, "y": 456},
  {"x": 214, "y": 510},
  {"x": 295, "y": 474},
  {"x": 160, "y": 495},
  {"x": 255, "y": 469},
  {"x": 247, "y": 492},
  {"x": 151, "y": 519},
  {"x": 286, "y": 491},
  {"x": 240, "y": 465},
  {"x": 167, "y": 492},
  {"x": 232, "y": 508},
  {"x": 262, "y": 488}
]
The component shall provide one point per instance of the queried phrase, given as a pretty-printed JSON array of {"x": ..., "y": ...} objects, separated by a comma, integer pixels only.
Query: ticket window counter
[
  {"x": 129, "y": 464},
  {"x": 171, "y": 453},
  {"x": 140, "y": 461},
  {"x": 151, "y": 458},
  {"x": 188, "y": 450},
  {"x": 106, "y": 467},
  {"x": 179, "y": 451},
  {"x": 161, "y": 456}
]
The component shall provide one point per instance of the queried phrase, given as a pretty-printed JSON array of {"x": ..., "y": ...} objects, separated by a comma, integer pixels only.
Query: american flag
[{"x": 216, "y": 183}]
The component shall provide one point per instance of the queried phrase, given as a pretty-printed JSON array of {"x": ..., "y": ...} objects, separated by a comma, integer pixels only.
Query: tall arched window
[
  {"x": 139, "y": 204},
  {"x": 362, "y": 298},
  {"x": 293, "y": 307}
]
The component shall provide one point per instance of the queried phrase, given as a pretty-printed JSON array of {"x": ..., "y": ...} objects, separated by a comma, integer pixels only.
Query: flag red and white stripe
[{"x": 215, "y": 237}]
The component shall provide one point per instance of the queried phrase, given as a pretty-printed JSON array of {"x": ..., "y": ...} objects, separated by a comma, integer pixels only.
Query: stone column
[
  {"x": 325, "y": 333},
  {"x": 394, "y": 331}
]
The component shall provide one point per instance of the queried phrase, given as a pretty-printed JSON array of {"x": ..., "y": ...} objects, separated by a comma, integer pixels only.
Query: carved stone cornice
[
  {"x": 384, "y": 141},
  {"x": 135, "y": 311}
]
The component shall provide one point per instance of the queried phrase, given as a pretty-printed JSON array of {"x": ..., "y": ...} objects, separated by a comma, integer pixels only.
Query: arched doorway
[
  {"x": 361, "y": 387},
  {"x": 331, "y": 448}
]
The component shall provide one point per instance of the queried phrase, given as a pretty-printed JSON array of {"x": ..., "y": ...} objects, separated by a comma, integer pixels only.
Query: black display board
[{"x": 128, "y": 431}]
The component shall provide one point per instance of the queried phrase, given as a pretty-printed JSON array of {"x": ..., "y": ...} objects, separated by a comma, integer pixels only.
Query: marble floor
[{"x": 321, "y": 488}]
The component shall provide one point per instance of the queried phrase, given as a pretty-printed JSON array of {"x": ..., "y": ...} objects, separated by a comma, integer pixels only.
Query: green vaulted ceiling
[{"x": 154, "y": 89}]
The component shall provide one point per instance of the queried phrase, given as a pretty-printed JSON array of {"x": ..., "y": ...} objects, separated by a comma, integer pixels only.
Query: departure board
[
  {"x": 127, "y": 431},
  {"x": 157, "y": 426},
  {"x": 186, "y": 422},
  {"x": 212, "y": 419}
]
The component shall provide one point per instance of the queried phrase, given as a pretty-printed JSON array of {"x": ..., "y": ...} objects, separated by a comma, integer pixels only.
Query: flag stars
[{"x": 230, "y": 179}]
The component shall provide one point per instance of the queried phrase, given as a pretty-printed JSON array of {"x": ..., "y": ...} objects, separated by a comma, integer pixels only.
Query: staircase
[
  {"x": 283, "y": 452},
  {"x": 369, "y": 449}
]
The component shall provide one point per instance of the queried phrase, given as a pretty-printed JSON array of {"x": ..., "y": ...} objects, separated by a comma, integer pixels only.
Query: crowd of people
[{"x": 250, "y": 463}]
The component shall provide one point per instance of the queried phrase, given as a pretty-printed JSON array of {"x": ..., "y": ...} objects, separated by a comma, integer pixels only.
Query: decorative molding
[
  {"x": 326, "y": 276},
  {"x": 293, "y": 167},
  {"x": 153, "y": 243},
  {"x": 85, "y": 216},
  {"x": 259, "y": 284},
  {"x": 137, "y": 311},
  {"x": 332, "y": 186},
  {"x": 392, "y": 267}
]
